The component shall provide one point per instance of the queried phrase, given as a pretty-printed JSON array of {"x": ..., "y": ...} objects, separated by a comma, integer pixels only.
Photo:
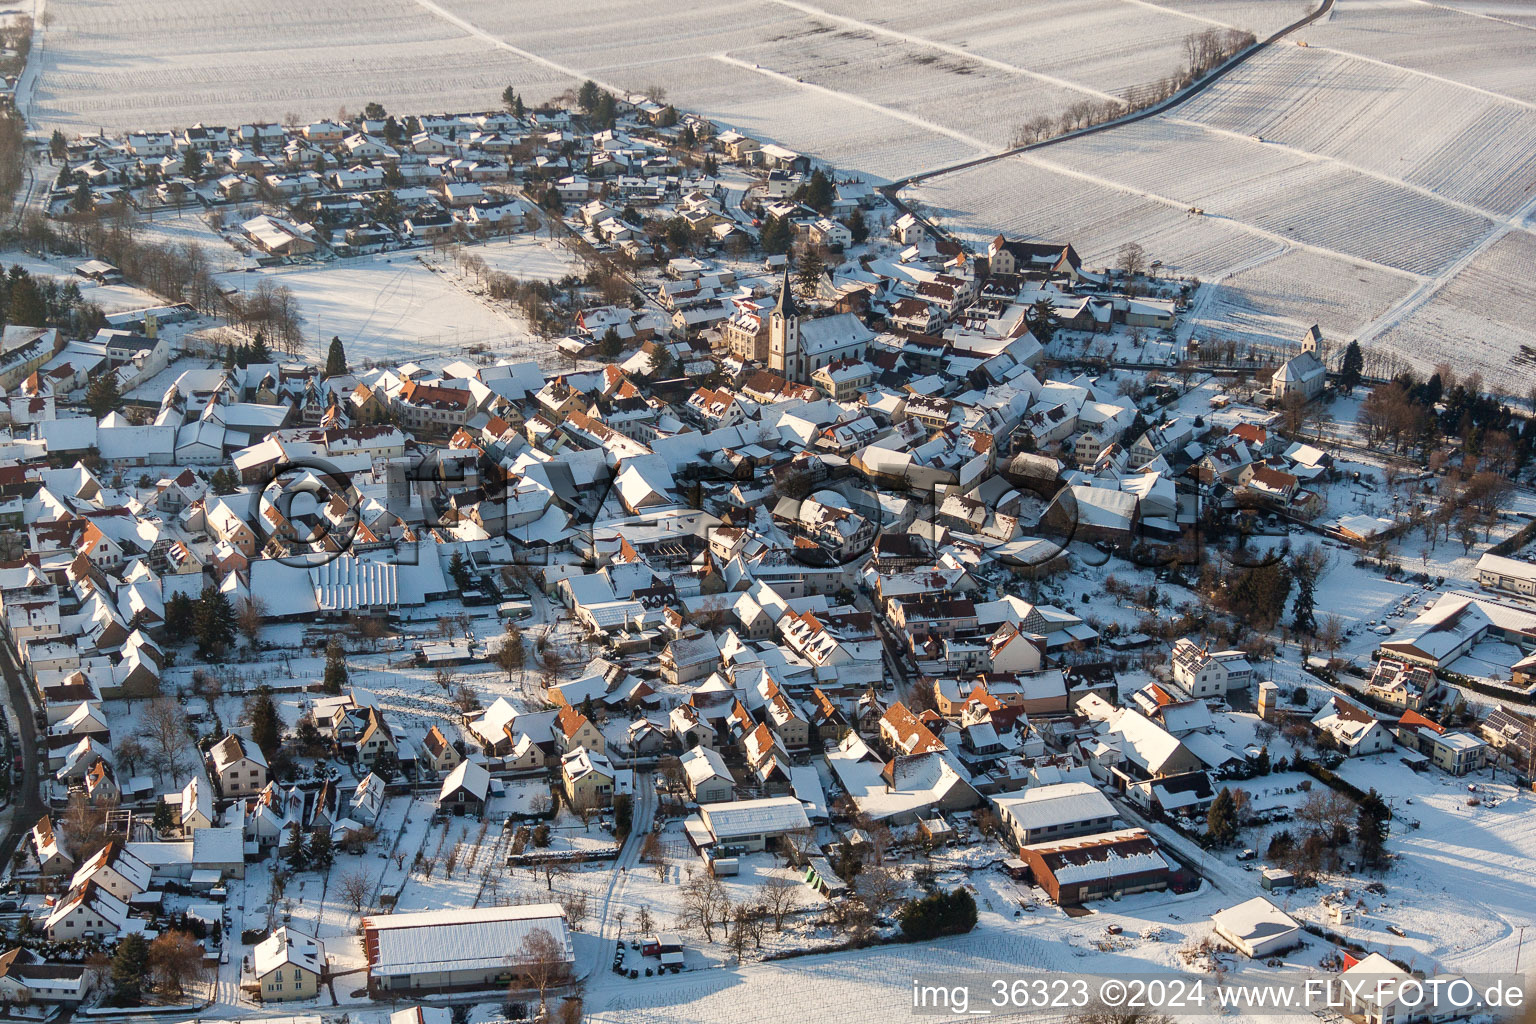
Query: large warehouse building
[
  {"x": 1074, "y": 871},
  {"x": 447, "y": 950}
]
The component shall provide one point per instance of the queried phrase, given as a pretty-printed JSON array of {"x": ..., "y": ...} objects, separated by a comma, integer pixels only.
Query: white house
[
  {"x": 238, "y": 766},
  {"x": 1257, "y": 928},
  {"x": 709, "y": 780},
  {"x": 1353, "y": 729},
  {"x": 1204, "y": 673},
  {"x": 87, "y": 912}
]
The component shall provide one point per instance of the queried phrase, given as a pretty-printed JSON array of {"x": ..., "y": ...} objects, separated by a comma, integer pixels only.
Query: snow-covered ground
[
  {"x": 1377, "y": 181},
  {"x": 415, "y": 306},
  {"x": 886, "y": 89}
]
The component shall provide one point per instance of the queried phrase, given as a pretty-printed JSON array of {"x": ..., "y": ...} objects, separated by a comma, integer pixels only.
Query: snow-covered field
[
  {"x": 1378, "y": 181},
  {"x": 528, "y": 257},
  {"x": 402, "y": 306},
  {"x": 887, "y": 89},
  {"x": 134, "y": 64},
  {"x": 191, "y": 227}
]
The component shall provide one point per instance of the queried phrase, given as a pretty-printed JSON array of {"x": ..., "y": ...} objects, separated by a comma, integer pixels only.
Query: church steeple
[
  {"x": 784, "y": 334},
  {"x": 786, "y": 305}
]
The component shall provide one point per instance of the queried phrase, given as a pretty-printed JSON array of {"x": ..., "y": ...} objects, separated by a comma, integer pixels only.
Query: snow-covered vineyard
[
  {"x": 887, "y": 90},
  {"x": 504, "y": 516},
  {"x": 1399, "y": 165}
]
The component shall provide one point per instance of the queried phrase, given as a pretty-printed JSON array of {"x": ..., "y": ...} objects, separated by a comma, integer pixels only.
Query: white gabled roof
[
  {"x": 469, "y": 776},
  {"x": 702, "y": 764},
  {"x": 1257, "y": 920},
  {"x": 754, "y": 817},
  {"x": 1064, "y": 804},
  {"x": 288, "y": 946},
  {"x": 459, "y": 939}
]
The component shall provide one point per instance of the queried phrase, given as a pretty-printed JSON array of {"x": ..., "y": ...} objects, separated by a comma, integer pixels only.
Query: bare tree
[
  {"x": 798, "y": 845},
  {"x": 465, "y": 699},
  {"x": 84, "y": 825},
  {"x": 354, "y": 888},
  {"x": 779, "y": 896},
  {"x": 175, "y": 959},
  {"x": 1118, "y": 1015},
  {"x": 540, "y": 964},
  {"x": 253, "y": 611},
  {"x": 879, "y": 888},
  {"x": 703, "y": 898},
  {"x": 651, "y": 852},
  {"x": 130, "y": 753},
  {"x": 740, "y": 930},
  {"x": 164, "y": 724},
  {"x": 1133, "y": 259},
  {"x": 1330, "y": 633},
  {"x": 575, "y": 907}
]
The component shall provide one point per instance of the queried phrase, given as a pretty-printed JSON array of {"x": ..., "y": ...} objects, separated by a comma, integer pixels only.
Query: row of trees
[
  {"x": 1202, "y": 52},
  {"x": 1417, "y": 415},
  {"x": 180, "y": 272},
  {"x": 27, "y": 301}
]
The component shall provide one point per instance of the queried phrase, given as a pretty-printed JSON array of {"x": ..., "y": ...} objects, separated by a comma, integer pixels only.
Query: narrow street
[
  {"x": 26, "y": 804},
  {"x": 629, "y": 856}
]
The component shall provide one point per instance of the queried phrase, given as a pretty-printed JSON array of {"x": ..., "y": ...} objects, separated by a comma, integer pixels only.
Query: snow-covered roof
[
  {"x": 1257, "y": 920},
  {"x": 459, "y": 939},
  {"x": 288, "y": 947},
  {"x": 767, "y": 816},
  {"x": 469, "y": 776},
  {"x": 1065, "y": 804}
]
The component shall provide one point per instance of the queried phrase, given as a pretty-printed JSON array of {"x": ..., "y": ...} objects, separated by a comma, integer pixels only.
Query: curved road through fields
[{"x": 893, "y": 190}]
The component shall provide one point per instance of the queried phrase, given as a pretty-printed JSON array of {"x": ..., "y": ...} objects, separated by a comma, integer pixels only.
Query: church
[
  {"x": 1304, "y": 374},
  {"x": 798, "y": 348}
]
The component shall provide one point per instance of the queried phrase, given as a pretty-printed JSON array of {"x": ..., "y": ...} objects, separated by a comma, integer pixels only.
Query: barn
[
  {"x": 1074, "y": 871},
  {"x": 457, "y": 950}
]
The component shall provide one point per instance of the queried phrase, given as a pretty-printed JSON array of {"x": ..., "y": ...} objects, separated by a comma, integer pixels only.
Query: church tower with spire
[{"x": 784, "y": 356}]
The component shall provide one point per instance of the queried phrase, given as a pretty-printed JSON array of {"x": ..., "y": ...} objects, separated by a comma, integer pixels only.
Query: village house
[
  {"x": 288, "y": 965},
  {"x": 465, "y": 790},
  {"x": 237, "y": 766},
  {"x": 1050, "y": 813}
]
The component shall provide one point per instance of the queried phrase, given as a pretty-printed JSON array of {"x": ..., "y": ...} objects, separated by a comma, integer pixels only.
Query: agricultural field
[
  {"x": 1370, "y": 181},
  {"x": 1281, "y": 297},
  {"x": 1460, "y": 323},
  {"x": 405, "y": 306},
  {"x": 130, "y": 65},
  {"x": 880, "y": 89}
]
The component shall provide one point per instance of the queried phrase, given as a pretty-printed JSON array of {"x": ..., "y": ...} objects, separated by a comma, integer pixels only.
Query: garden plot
[
  {"x": 1100, "y": 44},
  {"x": 959, "y": 93},
  {"x": 166, "y": 63},
  {"x": 591, "y": 36},
  {"x": 528, "y": 258},
  {"x": 190, "y": 227},
  {"x": 1459, "y": 887},
  {"x": 876, "y": 143},
  {"x": 1480, "y": 321}
]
